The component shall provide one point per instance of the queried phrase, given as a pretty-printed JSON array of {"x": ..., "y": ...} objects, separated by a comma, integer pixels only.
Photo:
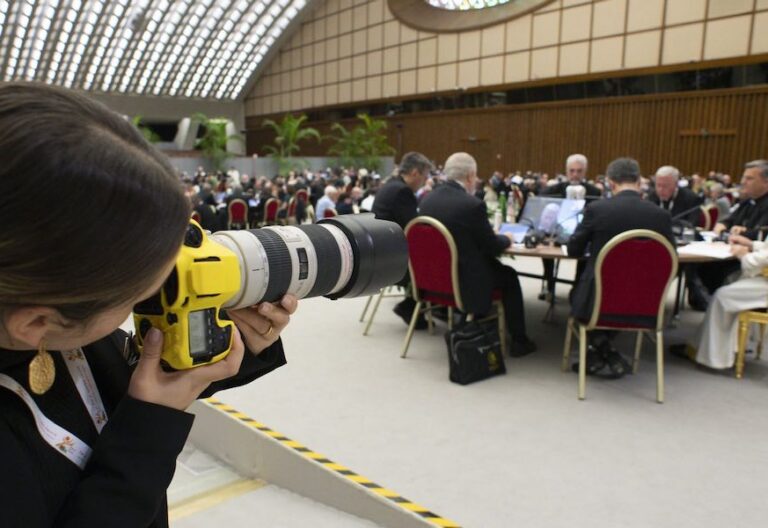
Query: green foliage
[
  {"x": 363, "y": 145},
  {"x": 149, "y": 134},
  {"x": 213, "y": 144},
  {"x": 289, "y": 132}
]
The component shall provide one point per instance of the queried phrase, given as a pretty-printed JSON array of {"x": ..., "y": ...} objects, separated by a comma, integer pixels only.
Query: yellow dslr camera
[{"x": 344, "y": 256}]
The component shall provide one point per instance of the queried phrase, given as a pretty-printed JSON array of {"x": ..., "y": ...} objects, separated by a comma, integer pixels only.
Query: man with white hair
[
  {"x": 576, "y": 174},
  {"x": 480, "y": 271},
  {"x": 681, "y": 202},
  {"x": 328, "y": 201}
]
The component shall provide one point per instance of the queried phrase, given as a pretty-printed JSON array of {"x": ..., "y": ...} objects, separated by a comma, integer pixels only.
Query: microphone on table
[{"x": 680, "y": 216}]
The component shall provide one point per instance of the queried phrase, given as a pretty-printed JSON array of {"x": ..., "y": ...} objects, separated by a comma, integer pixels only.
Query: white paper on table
[{"x": 718, "y": 250}]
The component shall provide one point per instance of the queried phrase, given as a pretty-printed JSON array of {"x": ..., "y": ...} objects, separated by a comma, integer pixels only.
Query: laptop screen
[{"x": 557, "y": 216}]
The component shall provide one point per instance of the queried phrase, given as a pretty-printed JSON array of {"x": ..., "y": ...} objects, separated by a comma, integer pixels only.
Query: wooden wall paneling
[{"x": 656, "y": 130}]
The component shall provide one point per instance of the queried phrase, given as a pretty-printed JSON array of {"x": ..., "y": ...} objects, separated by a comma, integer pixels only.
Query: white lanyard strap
[
  {"x": 86, "y": 386},
  {"x": 56, "y": 436}
]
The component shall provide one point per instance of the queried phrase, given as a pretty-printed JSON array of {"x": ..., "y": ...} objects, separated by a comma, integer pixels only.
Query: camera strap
[{"x": 56, "y": 436}]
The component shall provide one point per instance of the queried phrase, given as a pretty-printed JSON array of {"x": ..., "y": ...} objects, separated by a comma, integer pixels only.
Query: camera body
[
  {"x": 344, "y": 256},
  {"x": 187, "y": 309}
]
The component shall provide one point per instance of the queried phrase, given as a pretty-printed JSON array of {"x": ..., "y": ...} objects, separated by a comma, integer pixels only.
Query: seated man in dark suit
[
  {"x": 682, "y": 203},
  {"x": 603, "y": 220},
  {"x": 576, "y": 172},
  {"x": 480, "y": 271},
  {"x": 750, "y": 215},
  {"x": 396, "y": 202}
]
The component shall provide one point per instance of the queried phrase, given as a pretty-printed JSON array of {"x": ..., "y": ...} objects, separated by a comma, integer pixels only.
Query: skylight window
[
  {"x": 464, "y": 5},
  {"x": 192, "y": 48}
]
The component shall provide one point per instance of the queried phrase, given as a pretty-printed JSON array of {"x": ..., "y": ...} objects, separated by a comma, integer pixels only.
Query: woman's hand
[
  {"x": 261, "y": 324},
  {"x": 150, "y": 383}
]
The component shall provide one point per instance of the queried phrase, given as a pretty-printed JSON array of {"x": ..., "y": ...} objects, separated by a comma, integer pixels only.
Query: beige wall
[{"x": 356, "y": 50}]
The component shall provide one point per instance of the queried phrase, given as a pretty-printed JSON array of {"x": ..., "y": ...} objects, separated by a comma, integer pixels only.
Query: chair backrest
[
  {"x": 291, "y": 207},
  {"x": 237, "y": 211},
  {"x": 632, "y": 276},
  {"x": 704, "y": 220},
  {"x": 196, "y": 217},
  {"x": 302, "y": 195},
  {"x": 433, "y": 262},
  {"x": 329, "y": 212},
  {"x": 270, "y": 210},
  {"x": 714, "y": 215}
]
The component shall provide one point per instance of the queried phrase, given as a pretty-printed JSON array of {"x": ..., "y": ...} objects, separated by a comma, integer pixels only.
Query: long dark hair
[{"x": 89, "y": 211}]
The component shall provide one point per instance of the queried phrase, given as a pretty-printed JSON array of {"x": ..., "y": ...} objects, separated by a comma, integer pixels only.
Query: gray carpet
[{"x": 520, "y": 450}]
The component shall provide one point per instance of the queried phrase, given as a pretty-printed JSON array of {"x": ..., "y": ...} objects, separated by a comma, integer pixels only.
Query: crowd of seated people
[
  {"x": 345, "y": 191},
  {"x": 720, "y": 288}
]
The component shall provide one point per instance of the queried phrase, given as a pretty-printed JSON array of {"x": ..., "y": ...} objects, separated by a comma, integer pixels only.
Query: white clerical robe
[{"x": 719, "y": 331}]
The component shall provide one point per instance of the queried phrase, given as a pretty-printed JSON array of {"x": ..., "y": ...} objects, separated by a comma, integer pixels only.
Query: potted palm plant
[
  {"x": 363, "y": 145},
  {"x": 213, "y": 144},
  {"x": 149, "y": 134},
  {"x": 289, "y": 132}
]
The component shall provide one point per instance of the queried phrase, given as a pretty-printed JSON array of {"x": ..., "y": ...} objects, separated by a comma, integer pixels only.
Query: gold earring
[{"x": 42, "y": 370}]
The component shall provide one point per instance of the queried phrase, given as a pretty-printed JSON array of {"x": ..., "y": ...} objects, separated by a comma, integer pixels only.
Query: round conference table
[{"x": 556, "y": 252}]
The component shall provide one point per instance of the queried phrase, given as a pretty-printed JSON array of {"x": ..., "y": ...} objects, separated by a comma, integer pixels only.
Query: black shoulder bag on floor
[{"x": 474, "y": 352}]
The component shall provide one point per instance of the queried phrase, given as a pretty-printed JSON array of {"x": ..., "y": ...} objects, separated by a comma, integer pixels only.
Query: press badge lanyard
[{"x": 56, "y": 436}]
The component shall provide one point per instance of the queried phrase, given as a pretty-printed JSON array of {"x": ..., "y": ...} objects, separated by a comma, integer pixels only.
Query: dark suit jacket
[
  {"x": 559, "y": 190},
  {"x": 133, "y": 459},
  {"x": 395, "y": 202},
  {"x": 467, "y": 220},
  {"x": 750, "y": 214},
  {"x": 685, "y": 200},
  {"x": 603, "y": 220}
]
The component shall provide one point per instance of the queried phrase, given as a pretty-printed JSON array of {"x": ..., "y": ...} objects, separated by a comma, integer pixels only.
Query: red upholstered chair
[
  {"x": 290, "y": 214},
  {"x": 237, "y": 214},
  {"x": 329, "y": 212},
  {"x": 632, "y": 276},
  {"x": 270, "y": 212},
  {"x": 714, "y": 215},
  {"x": 704, "y": 219},
  {"x": 196, "y": 217},
  {"x": 433, "y": 262},
  {"x": 303, "y": 195}
]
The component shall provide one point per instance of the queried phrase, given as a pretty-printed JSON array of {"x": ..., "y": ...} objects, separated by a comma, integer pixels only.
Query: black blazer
[
  {"x": 133, "y": 460},
  {"x": 478, "y": 246},
  {"x": 395, "y": 202},
  {"x": 559, "y": 190},
  {"x": 751, "y": 214},
  {"x": 603, "y": 220},
  {"x": 685, "y": 200}
]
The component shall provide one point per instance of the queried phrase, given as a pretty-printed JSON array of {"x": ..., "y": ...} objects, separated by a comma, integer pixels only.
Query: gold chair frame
[
  {"x": 384, "y": 292},
  {"x": 229, "y": 212},
  {"x": 592, "y": 324},
  {"x": 707, "y": 219},
  {"x": 746, "y": 318},
  {"x": 264, "y": 221},
  {"x": 455, "y": 285}
]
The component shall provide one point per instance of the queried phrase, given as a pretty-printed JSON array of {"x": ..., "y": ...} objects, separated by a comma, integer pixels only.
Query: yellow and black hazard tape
[{"x": 350, "y": 475}]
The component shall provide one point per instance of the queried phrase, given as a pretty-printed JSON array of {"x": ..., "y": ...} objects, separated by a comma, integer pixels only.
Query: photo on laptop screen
[{"x": 556, "y": 216}]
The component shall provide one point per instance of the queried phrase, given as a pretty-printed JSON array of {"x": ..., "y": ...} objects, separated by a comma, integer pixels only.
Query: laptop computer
[{"x": 556, "y": 217}]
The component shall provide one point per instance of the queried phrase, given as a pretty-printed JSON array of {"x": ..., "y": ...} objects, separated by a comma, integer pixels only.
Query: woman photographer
[{"x": 91, "y": 220}]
